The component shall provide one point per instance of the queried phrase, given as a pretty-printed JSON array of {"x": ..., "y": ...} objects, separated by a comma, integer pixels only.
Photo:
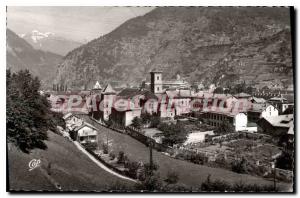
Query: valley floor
[{"x": 190, "y": 175}]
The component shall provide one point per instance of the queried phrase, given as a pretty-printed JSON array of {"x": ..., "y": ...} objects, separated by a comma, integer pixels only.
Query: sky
[{"x": 76, "y": 23}]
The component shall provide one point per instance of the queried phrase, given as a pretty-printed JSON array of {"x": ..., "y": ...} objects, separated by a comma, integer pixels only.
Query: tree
[
  {"x": 285, "y": 161},
  {"x": 173, "y": 133},
  {"x": 146, "y": 117},
  {"x": 239, "y": 166},
  {"x": 28, "y": 115},
  {"x": 224, "y": 128},
  {"x": 137, "y": 122}
]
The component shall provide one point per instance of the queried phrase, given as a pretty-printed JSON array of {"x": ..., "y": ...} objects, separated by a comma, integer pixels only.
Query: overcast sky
[{"x": 76, "y": 23}]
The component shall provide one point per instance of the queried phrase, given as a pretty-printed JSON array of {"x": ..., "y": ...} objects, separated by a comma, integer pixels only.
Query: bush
[
  {"x": 173, "y": 133},
  {"x": 222, "y": 186},
  {"x": 112, "y": 156},
  {"x": 155, "y": 121},
  {"x": 239, "y": 166},
  {"x": 121, "y": 158},
  {"x": 105, "y": 148},
  {"x": 137, "y": 122},
  {"x": 91, "y": 146},
  {"x": 132, "y": 168}
]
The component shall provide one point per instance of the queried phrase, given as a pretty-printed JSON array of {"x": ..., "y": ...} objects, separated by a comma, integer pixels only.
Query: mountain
[
  {"x": 50, "y": 42},
  {"x": 212, "y": 45},
  {"x": 21, "y": 55}
]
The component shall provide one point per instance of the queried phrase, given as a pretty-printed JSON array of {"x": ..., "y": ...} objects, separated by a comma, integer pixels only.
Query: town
[
  {"x": 150, "y": 98},
  {"x": 244, "y": 133}
]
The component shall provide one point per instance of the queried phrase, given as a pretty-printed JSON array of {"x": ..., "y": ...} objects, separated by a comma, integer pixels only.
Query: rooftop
[{"x": 281, "y": 120}]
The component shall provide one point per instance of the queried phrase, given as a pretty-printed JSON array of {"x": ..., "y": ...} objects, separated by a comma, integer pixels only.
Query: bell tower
[{"x": 156, "y": 82}]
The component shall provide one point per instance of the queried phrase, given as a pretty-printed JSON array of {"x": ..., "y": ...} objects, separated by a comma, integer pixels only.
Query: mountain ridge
[
  {"x": 211, "y": 45},
  {"x": 20, "y": 55}
]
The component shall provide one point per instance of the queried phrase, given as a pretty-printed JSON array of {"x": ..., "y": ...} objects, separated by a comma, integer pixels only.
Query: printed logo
[{"x": 34, "y": 163}]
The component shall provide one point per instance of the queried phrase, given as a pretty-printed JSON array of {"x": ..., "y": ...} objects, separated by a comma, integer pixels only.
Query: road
[{"x": 79, "y": 146}]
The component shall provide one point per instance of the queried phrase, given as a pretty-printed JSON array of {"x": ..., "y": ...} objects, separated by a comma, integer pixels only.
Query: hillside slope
[
  {"x": 21, "y": 55},
  {"x": 69, "y": 167},
  {"x": 204, "y": 44}
]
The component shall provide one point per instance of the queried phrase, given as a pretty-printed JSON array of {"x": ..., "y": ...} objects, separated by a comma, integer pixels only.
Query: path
[{"x": 78, "y": 145}]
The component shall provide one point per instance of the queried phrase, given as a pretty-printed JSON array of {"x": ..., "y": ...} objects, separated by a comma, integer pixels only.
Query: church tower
[{"x": 156, "y": 82}]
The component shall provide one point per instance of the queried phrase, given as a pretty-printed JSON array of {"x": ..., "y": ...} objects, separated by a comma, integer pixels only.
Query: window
[
  {"x": 157, "y": 88},
  {"x": 157, "y": 77}
]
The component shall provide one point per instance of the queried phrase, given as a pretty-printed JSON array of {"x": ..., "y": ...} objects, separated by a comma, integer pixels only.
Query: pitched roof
[
  {"x": 281, "y": 120},
  {"x": 97, "y": 86},
  {"x": 182, "y": 93},
  {"x": 259, "y": 107},
  {"x": 257, "y": 100},
  {"x": 228, "y": 112},
  {"x": 242, "y": 95},
  {"x": 281, "y": 99},
  {"x": 108, "y": 90},
  {"x": 83, "y": 125},
  {"x": 66, "y": 116},
  {"x": 128, "y": 93}
]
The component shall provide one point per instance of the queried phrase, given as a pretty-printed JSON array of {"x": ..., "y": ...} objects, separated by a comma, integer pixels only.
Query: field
[
  {"x": 190, "y": 175},
  {"x": 67, "y": 166}
]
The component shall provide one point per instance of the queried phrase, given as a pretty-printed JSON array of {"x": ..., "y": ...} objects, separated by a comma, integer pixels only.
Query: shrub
[
  {"x": 137, "y": 122},
  {"x": 239, "y": 166},
  {"x": 132, "y": 168},
  {"x": 112, "y": 156},
  {"x": 121, "y": 158},
  {"x": 91, "y": 146},
  {"x": 105, "y": 148}
]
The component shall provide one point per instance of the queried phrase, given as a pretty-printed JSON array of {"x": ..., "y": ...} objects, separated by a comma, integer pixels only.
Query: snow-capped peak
[{"x": 36, "y": 35}]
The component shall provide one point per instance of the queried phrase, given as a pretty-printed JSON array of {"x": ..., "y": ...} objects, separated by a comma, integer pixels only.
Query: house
[
  {"x": 84, "y": 134},
  {"x": 219, "y": 116},
  {"x": 256, "y": 100},
  {"x": 276, "y": 125},
  {"x": 108, "y": 96},
  {"x": 72, "y": 121},
  {"x": 96, "y": 89},
  {"x": 142, "y": 98},
  {"x": 204, "y": 100},
  {"x": 180, "y": 100},
  {"x": 101, "y": 103},
  {"x": 259, "y": 110},
  {"x": 280, "y": 103},
  {"x": 123, "y": 112},
  {"x": 242, "y": 95}
]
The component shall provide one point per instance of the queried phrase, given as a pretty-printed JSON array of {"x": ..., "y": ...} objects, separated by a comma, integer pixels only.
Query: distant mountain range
[
  {"x": 21, "y": 55},
  {"x": 48, "y": 41},
  {"x": 212, "y": 45}
]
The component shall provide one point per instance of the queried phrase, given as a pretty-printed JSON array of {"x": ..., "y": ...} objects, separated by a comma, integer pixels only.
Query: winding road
[{"x": 79, "y": 146}]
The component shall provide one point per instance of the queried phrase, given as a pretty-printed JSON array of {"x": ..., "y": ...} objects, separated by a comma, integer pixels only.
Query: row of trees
[{"x": 28, "y": 115}]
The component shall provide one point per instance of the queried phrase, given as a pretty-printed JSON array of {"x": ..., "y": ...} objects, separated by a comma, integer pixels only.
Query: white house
[
  {"x": 258, "y": 111},
  {"x": 218, "y": 116},
  {"x": 85, "y": 133}
]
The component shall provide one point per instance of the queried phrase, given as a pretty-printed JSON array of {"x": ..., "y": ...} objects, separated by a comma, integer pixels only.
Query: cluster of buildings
[
  {"x": 244, "y": 112},
  {"x": 79, "y": 130}
]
